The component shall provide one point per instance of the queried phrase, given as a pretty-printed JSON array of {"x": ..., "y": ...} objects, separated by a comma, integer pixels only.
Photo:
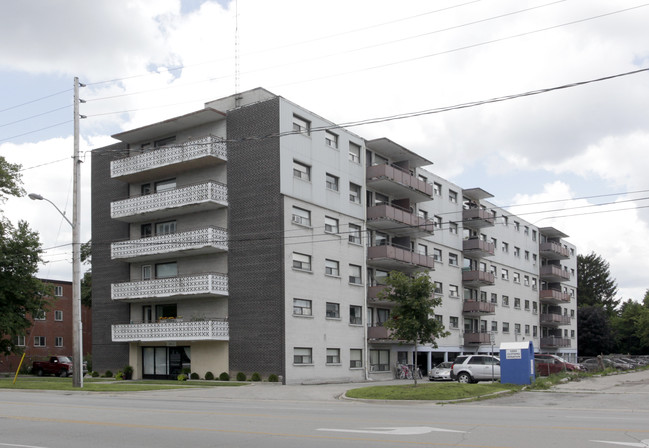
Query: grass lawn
[
  {"x": 105, "y": 384},
  {"x": 431, "y": 391}
]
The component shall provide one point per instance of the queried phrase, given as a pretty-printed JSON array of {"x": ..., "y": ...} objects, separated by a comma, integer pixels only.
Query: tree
[
  {"x": 595, "y": 287},
  {"x": 86, "y": 281},
  {"x": 21, "y": 293},
  {"x": 594, "y": 331},
  {"x": 631, "y": 327},
  {"x": 412, "y": 318}
]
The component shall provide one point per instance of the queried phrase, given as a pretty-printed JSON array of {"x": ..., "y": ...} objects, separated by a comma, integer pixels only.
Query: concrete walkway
[{"x": 628, "y": 382}]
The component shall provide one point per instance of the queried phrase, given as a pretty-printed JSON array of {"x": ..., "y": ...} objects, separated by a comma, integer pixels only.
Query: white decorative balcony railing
[
  {"x": 197, "y": 194},
  {"x": 208, "y": 146},
  {"x": 208, "y": 330},
  {"x": 186, "y": 286},
  {"x": 210, "y": 238}
]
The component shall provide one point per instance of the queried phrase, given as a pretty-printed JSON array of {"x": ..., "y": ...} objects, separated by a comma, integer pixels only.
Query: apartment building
[
  {"x": 254, "y": 236},
  {"x": 51, "y": 330}
]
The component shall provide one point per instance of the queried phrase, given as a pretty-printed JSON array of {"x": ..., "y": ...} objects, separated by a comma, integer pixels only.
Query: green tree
[
  {"x": 595, "y": 287},
  {"x": 10, "y": 181},
  {"x": 86, "y": 280},
  {"x": 626, "y": 328},
  {"x": 594, "y": 331},
  {"x": 412, "y": 318}
]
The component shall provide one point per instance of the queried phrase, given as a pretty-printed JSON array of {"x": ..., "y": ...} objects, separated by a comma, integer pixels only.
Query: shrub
[
  {"x": 272, "y": 378},
  {"x": 256, "y": 377},
  {"x": 241, "y": 376},
  {"x": 108, "y": 374},
  {"x": 119, "y": 376},
  {"x": 186, "y": 370},
  {"x": 209, "y": 376},
  {"x": 224, "y": 376},
  {"x": 194, "y": 376},
  {"x": 94, "y": 374},
  {"x": 182, "y": 377}
]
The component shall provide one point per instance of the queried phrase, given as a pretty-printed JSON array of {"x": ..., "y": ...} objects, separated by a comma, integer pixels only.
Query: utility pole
[{"x": 77, "y": 325}]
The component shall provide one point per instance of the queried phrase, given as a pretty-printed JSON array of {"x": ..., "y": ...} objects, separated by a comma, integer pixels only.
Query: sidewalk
[{"x": 630, "y": 382}]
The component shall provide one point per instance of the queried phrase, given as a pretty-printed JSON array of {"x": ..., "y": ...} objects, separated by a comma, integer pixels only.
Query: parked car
[
  {"x": 547, "y": 364},
  {"x": 474, "y": 368},
  {"x": 56, "y": 365},
  {"x": 593, "y": 365},
  {"x": 441, "y": 372}
]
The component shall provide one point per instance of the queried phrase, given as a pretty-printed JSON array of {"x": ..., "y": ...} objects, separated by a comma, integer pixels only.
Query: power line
[
  {"x": 36, "y": 100},
  {"x": 35, "y": 130},
  {"x": 35, "y": 116}
]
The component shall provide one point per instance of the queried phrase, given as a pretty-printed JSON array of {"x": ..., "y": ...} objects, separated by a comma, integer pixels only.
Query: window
[
  {"x": 494, "y": 298},
  {"x": 439, "y": 288},
  {"x": 146, "y": 189},
  {"x": 505, "y": 220},
  {"x": 517, "y": 303},
  {"x": 381, "y": 199},
  {"x": 39, "y": 341},
  {"x": 355, "y": 358},
  {"x": 331, "y": 139},
  {"x": 517, "y": 251},
  {"x": 331, "y": 225},
  {"x": 494, "y": 270},
  {"x": 572, "y": 334},
  {"x": 331, "y": 182},
  {"x": 517, "y": 226},
  {"x": 301, "y": 261},
  {"x": 302, "y": 307},
  {"x": 437, "y": 222},
  {"x": 437, "y": 189},
  {"x": 422, "y": 249},
  {"x": 355, "y": 275},
  {"x": 505, "y": 327},
  {"x": 332, "y": 268},
  {"x": 354, "y": 234},
  {"x": 526, "y": 230},
  {"x": 333, "y": 310},
  {"x": 19, "y": 340},
  {"x": 354, "y": 153},
  {"x": 58, "y": 291},
  {"x": 534, "y": 259},
  {"x": 534, "y": 285},
  {"x": 146, "y": 230},
  {"x": 58, "y": 315},
  {"x": 454, "y": 322},
  {"x": 453, "y": 291},
  {"x": 422, "y": 178},
  {"x": 535, "y": 307},
  {"x": 301, "y": 217},
  {"x": 166, "y": 270},
  {"x": 526, "y": 280},
  {"x": 165, "y": 228},
  {"x": 452, "y": 196},
  {"x": 302, "y": 126},
  {"x": 494, "y": 326},
  {"x": 165, "y": 185},
  {"x": 355, "y": 315},
  {"x": 39, "y": 315},
  {"x": 505, "y": 247},
  {"x": 453, "y": 259},
  {"x": 527, "y": 330},
  {"x": 505, "y": 300},
  {"x": 423, "y": 214},
  {"x": 517, "y": 277},
  {"x": 533, "y": 235},
  {"x": 452, "y": 227},
  {"x": 439, "y": 318},
  {"x": 301, "y": 171},
  {"x": 302, "y": 355},
  {"x": 380, "y": 360},
  {"x": 437, "y": 255},
  {"x": 517, "y": 328},
  {"x": 164, "y": 141},
  {"x": 333, "y": 356},
  {"x": 146, "y": 272},
  {"x": 572, "y": 314},
  {"x": 58, "y": 341},
  {"x": 495, "y": 243},
  {"x": 354, "y": 193},
  {"x": 527, "y": 255},
  {"x": 535, "y": 331},
  {"x": 527, "y": 305},
  {"x": 504, "y": 274}
]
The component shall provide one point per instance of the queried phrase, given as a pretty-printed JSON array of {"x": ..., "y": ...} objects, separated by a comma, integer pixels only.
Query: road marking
[
  {"x": 408, "y": 430},
  {"x": 643, "y": 443},
  {"x": 20, "y": 446}
]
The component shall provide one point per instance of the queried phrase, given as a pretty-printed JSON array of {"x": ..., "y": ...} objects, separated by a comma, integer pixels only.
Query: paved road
[{"x": 610, "y": 411}]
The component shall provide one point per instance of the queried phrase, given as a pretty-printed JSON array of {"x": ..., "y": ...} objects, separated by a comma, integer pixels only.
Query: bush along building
[{"x": 254, "y": 236}]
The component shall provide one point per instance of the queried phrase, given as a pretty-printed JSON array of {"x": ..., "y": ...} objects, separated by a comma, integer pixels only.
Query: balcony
[
  {"x": 398, "y": 221},
  {"x": 475, "y": 247},
  {"x": 373, "y": 293},
  {"x": 554, "y": 273},
  {"x": 396, "y": 258},
  {"x": 190, "y": 286},
  {"x": 477, "y": 278},
  {"x": 208, "y": 330},
  {"x": 209, "y": 195},
  {"x": 553, "y": 251},
  {"x": 399, "y": 183},
  {"x": 476, "y": 338},
  {"x": 196, "y": 242},
  {"x": 555, "y": 342},
  {"x": 554, "y": 320},
  {"x": 379, "y": 332},
  {"x": 477, "y": 307},
  {"x": 168, "y": 160},
  {"x": 554, "y": 297},
  {"x": 477, "y": 218}
]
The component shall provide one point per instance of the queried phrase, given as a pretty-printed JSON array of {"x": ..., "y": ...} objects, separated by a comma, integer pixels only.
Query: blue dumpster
[{"x": 517, "y": 362}]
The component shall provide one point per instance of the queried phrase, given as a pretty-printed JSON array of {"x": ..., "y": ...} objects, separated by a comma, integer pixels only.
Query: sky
[{"x": 574, "y": 158}]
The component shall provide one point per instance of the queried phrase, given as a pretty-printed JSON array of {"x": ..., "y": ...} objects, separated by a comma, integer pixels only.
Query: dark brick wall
[
  {"x": 106, "y": 355},
  {"x": 255, "y": 256}
]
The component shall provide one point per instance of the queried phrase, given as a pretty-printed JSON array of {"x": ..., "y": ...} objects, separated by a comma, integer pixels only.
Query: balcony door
[{"x": 164, "y": 362}]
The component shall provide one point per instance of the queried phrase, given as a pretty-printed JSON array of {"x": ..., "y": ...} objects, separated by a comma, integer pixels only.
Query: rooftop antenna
[{"x": 237, "y": 97}]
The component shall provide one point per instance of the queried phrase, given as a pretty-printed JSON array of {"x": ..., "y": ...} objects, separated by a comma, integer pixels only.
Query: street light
[{"x": 77, "y": 326}]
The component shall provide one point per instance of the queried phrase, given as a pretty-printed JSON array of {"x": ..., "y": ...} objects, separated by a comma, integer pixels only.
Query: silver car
[
  {"x": 441, "y": 372},
  {"x": 474, "y": 368}
]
